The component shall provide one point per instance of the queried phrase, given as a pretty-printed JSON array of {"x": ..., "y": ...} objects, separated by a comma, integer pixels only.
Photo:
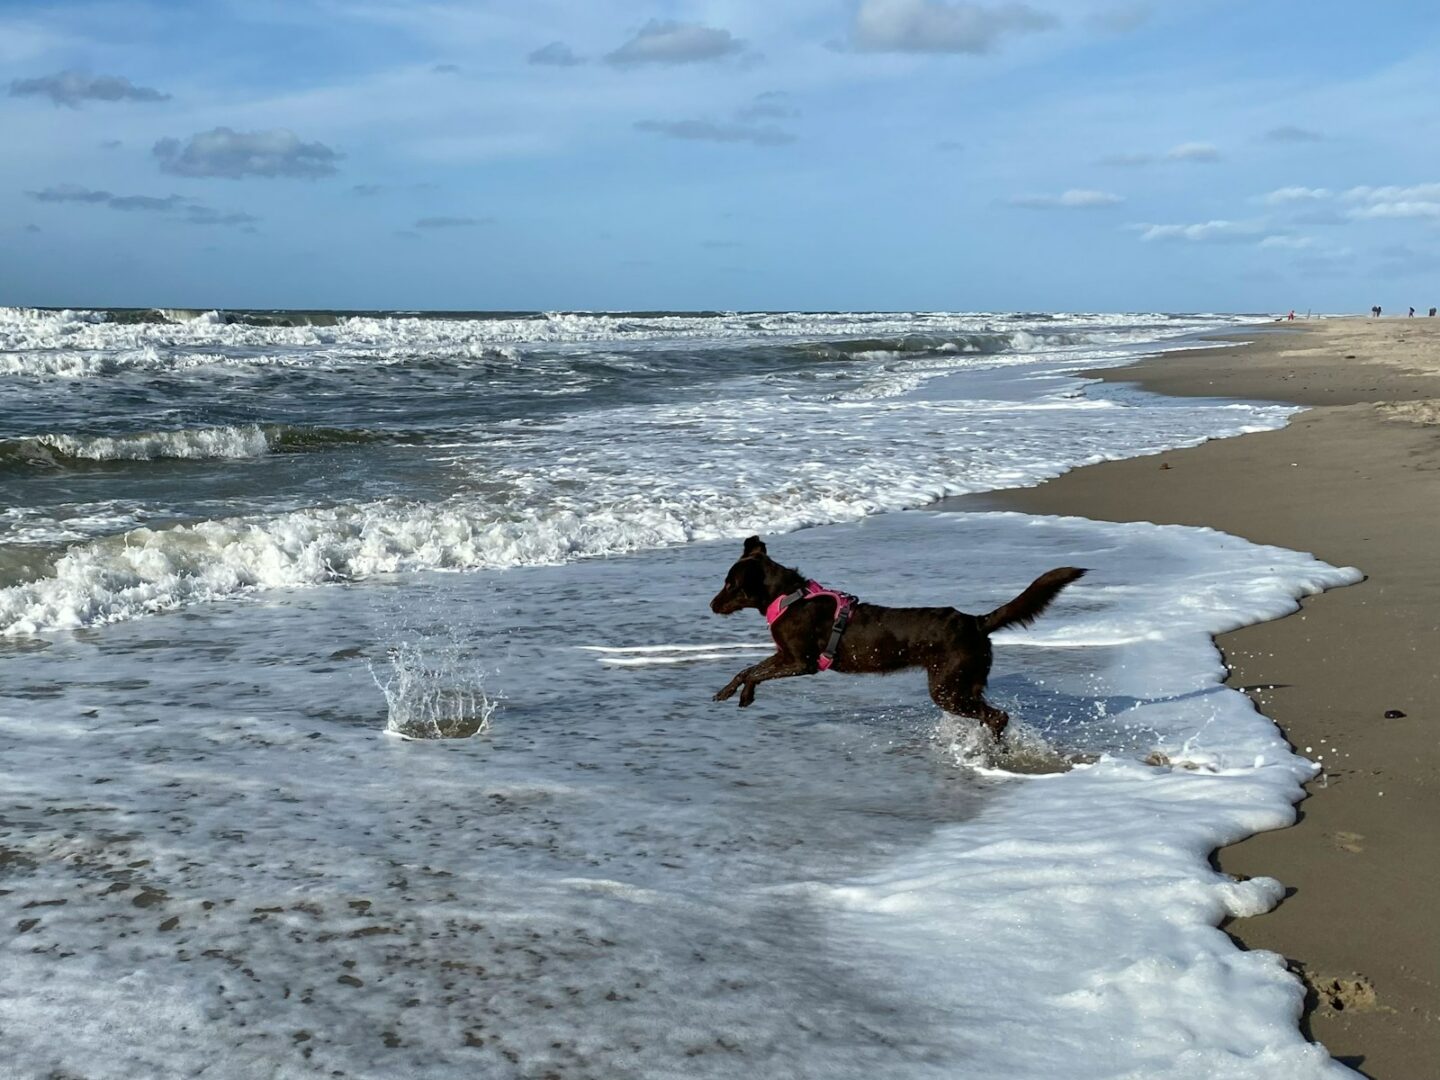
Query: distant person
[
  {"x": 1375, "y": 311},
  {"x": 1412, "y": 313},
  {"x": 1378, "y": 309},
  {"x": 1291, "y": 316},
  {"x": 1432, "y": 313}
]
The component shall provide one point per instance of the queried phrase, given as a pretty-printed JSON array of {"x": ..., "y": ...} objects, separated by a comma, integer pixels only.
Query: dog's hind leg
[
  {"x": 957, "y": 691},
  {"x": 980, "y": 709}
]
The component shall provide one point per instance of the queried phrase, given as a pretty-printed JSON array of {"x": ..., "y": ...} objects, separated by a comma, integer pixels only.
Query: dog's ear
[{"x": 754, "y": 546}]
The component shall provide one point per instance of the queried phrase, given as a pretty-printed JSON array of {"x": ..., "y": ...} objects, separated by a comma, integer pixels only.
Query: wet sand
[{"x": 1356, "y": 481}]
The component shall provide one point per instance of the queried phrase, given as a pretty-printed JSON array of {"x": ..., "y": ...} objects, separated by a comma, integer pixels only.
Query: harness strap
[{"x": 844, "y": 604}]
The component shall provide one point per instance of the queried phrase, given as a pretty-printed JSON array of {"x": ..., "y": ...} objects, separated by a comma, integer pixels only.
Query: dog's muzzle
[{"x": 725, "y": 605}]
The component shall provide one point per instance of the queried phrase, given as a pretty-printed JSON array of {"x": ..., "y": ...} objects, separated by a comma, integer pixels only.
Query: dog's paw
[
  {"x": 747, "y": 696},
  {"x": 725, "y": 694}
]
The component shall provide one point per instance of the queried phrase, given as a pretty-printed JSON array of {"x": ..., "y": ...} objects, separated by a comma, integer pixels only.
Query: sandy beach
[{"x": 1352, "y": 678}]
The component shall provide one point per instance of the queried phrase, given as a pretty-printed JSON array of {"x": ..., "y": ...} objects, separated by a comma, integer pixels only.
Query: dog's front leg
[
  {"x": 778, "y": 666},
  {"x": 734, "y": 684}
]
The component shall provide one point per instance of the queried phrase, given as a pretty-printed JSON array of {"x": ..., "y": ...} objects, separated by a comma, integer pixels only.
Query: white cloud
[
  {"x": 1403, "y": 209},
  {"x": 666, "y": 42},
  {"x": 1074, "y": 199},
  {"x": 1415, "y": 201},
  {"x": 1286, "y": 195},
  {"x": 930, "y": 26},
  {"x": 1218, "y": 231},
  {"x": 72, "y": 87},
  {"x": 1393, "y": 193},
  {"x": 222, "y": 152},
  {"x": 1194, "y": 151}
]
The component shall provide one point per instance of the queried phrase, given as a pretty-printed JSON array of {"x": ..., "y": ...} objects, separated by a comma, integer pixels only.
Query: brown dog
[{"x": 952, "y": 646}]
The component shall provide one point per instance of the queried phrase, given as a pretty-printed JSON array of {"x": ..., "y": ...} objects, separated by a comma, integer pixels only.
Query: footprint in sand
[
  {"x": 1353, "y": 993},
  {"x": 1348, "y": 841}
]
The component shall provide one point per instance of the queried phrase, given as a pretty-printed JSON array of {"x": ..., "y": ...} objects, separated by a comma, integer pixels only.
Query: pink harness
[{"x": 844, "y": 604}]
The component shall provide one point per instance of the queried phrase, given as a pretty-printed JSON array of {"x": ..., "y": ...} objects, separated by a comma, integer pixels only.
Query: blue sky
[{"x": 895, "y": 154}]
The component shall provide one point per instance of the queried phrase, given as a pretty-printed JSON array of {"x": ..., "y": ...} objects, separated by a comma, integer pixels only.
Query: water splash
[
  {"x": 1023, "y": 750},
  {"x": 433, "y": 691}
]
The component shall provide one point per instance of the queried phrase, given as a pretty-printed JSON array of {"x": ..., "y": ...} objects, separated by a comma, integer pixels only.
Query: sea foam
[{"x": 623, "y": 878}]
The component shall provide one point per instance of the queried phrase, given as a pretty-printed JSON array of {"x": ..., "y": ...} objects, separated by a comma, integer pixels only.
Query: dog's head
[{"x": 745, "y": 584}]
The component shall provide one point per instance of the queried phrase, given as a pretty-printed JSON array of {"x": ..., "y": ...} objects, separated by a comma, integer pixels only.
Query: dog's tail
[{"x": 1028, "y": 606}]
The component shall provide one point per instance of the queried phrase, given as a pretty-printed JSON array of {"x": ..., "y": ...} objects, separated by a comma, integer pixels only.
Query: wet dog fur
[{"x": 953, "y": 647}]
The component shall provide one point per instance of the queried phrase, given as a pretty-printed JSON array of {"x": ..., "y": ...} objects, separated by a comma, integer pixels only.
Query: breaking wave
[
  {"x": 81, "y": 344},
  {"x": 581, "y": 510},
  {"x": 59, "y": 451},
  {"x": 972, "y": 343},
  {"x": 146, "y": 571}
]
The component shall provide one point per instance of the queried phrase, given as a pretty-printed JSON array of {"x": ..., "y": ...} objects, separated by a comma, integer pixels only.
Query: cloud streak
[
  {"x": 64, "y": 193},
  {"x": 1190, "y": 152},
  {"x": 556, "y": 54},
  {"x": 931, "y": 26},
  {"x": 771, "y": 105},
  {"x": 191, "y": 212},
  {"x": 1290, "y": 195},
  {"x": 1074, "y": 199},
  {"x": 72, "y": 88},
  {"x": 205, "y": 215},
  {"x": 1201, "y": 152},
  {"x": 1415, "y": 201},
  {"x": 1289, "y": 133},
  {"x": 666, "y": 42},
  {"x": 1288, "y": 243},
  {"x": 1219, "y": 231},
  {"x": 710, "y": 131},
  {"x": 225, "y": 153}
]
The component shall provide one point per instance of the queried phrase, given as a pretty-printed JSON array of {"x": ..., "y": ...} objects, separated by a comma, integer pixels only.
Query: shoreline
[{"x": 1355, "y": 483}]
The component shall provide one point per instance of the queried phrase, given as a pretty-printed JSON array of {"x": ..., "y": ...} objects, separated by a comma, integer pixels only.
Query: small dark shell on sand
[{"x": 1393, "y": 714}]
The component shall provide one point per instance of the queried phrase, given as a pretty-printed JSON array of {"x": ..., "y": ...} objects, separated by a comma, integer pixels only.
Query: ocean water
[{"x": 286, "y": 795}]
